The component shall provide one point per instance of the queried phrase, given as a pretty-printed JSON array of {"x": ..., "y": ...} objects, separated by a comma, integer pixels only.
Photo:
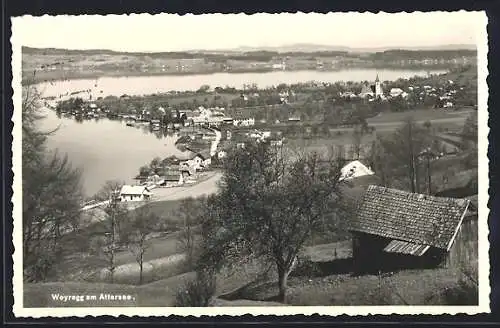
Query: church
[{"x": 373, "y": 90}]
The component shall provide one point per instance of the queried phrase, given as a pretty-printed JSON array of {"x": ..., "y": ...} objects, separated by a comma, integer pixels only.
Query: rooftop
[
  {"x": 414, "y": 218},
  {"x": 134, "y": 190}
]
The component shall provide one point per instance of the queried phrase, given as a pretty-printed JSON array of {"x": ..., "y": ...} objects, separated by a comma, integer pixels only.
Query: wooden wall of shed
[
  {"x": 366, "y": 251},
  {"x": 369, "y": 256},
  {"x": 464, "y": 251}
]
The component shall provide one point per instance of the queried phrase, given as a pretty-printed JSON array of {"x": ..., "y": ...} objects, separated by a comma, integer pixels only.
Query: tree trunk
[
  {"x": 282, "y": 281},
  {"x": 112, "y": 275},
  {"x": 411, "y": 158},
  {"x": 284, "y": 271},
  {"x": 417, "y": 175},
  {"x": 140, "y": 271}
]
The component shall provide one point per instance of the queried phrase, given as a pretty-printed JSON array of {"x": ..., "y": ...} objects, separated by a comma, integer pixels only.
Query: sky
[{"x": 169, "y": 32}]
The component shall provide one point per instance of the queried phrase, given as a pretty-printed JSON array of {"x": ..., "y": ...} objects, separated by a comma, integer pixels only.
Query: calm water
[
  {"x": 142, "y": 85},
  {"x": 106, "y": 150},
  {"x": 109, "y": 150}
]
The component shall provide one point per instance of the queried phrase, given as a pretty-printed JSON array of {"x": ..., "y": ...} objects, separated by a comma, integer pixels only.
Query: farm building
[
  {"x": 134, "y": 193},
  {"x": 173, "y": 178},
  {"x": 394, "y": 229}
]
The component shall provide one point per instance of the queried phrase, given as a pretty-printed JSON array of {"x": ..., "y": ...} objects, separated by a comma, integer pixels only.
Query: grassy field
[
  {"x": 445, "y": 123},
  {"x": 330, "y": 283},
  {"x": 419, "y": 115},
  {"x": 165, "y": 209}
]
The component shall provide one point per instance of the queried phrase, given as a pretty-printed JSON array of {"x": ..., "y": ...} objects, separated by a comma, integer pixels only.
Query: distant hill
[
  {"x": 306, "y": 47},
  {"x": 294, "y": 48}
]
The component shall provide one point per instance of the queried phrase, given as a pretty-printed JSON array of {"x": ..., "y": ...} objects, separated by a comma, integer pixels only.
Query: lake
[
  {"x": 109, "y": 150},
  {"x": 145, "y": 85},
  {"x": 105, "y": 149}
]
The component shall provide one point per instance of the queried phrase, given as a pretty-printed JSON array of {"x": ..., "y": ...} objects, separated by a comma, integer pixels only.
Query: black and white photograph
[{"x": 265, "y": 164}]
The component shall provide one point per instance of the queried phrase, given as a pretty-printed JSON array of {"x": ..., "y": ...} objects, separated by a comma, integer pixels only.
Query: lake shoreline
[
  {"x": 140, "y": 85},
  {"x": 47, "y": 77}
]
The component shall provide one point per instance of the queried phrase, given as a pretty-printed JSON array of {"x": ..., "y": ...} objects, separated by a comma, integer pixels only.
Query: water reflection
[{"x": 107, "y": 149}]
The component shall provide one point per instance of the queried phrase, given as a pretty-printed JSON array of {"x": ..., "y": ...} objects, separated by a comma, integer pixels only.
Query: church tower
[{"x": 378, "y": 88}]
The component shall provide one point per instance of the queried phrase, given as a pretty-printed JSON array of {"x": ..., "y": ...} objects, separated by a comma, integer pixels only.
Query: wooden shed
[{"x": 395, "y": 229}]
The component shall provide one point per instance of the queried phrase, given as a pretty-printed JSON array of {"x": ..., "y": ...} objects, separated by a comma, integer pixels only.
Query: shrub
[
  {"x": 382, "y": 295},
  {"x": 463, "y": 292},
  {"x": 379, "y": 296},
  {"x": 197, "y": 292}
]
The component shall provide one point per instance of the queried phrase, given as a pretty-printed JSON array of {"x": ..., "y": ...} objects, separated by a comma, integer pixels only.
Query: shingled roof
[{"x": 414, "y": 218}]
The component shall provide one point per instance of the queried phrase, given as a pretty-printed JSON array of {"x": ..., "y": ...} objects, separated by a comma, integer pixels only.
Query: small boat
[{"x": 129, "y": 123}]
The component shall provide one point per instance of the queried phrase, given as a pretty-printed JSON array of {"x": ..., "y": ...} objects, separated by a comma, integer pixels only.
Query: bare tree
[
  {"x": 360, "y": 130},
  {"x": 118, "y": 209},
  {"x": 268, "y": 207},
  {"x": 470, "y": 131},
  {"x": 189, "y": 213},
  {"x": 143, "y": 223},
  {"x": 401, "y": 149},
  {"x": 108, "y": 187},
  {"x": 357, "y": 139},
  {"x": 109, "y": 243}
]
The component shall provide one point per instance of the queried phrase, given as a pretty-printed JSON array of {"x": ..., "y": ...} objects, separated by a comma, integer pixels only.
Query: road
[{"x": 206, "y": 187}]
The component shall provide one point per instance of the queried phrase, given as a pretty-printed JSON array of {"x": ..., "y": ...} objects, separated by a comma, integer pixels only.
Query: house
[
  {"x": 173, "y": 178},
  {"x": 396, "y": 92},
  {"x": 197, "y": 160},
  {"x": 154, "y": 180},
  {"x": 130, "y": 193},
  {"x": 222, "y": 154},
  {"x": 354, "y": 169},
  {"x": 348, "y": 94},
  {"x": 244, "y": 121},
  {"x": 199, "y": 120},
  {"x": 277, "y": 66},
  {"x": 228, "y": 120},
  {"x": 367, "y": 91},
  {"x": 276, "y": 143},
  {"x": 205, "y": 157},
  {"x": 395, "y": 229}
]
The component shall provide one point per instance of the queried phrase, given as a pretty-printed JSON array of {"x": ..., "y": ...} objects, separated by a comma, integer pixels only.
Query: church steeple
[{"x": 378, "y": 88}]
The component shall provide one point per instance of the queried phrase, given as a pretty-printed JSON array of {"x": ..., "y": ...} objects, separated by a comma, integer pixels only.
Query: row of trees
[
  {"x": 126, "y": 229},
  {"x": 404, "y": 158},
  {"x": 51, "y": 193}
]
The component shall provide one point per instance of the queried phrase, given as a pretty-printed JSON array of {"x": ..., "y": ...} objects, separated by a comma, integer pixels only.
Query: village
[{"x": 207, "y": 134}]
